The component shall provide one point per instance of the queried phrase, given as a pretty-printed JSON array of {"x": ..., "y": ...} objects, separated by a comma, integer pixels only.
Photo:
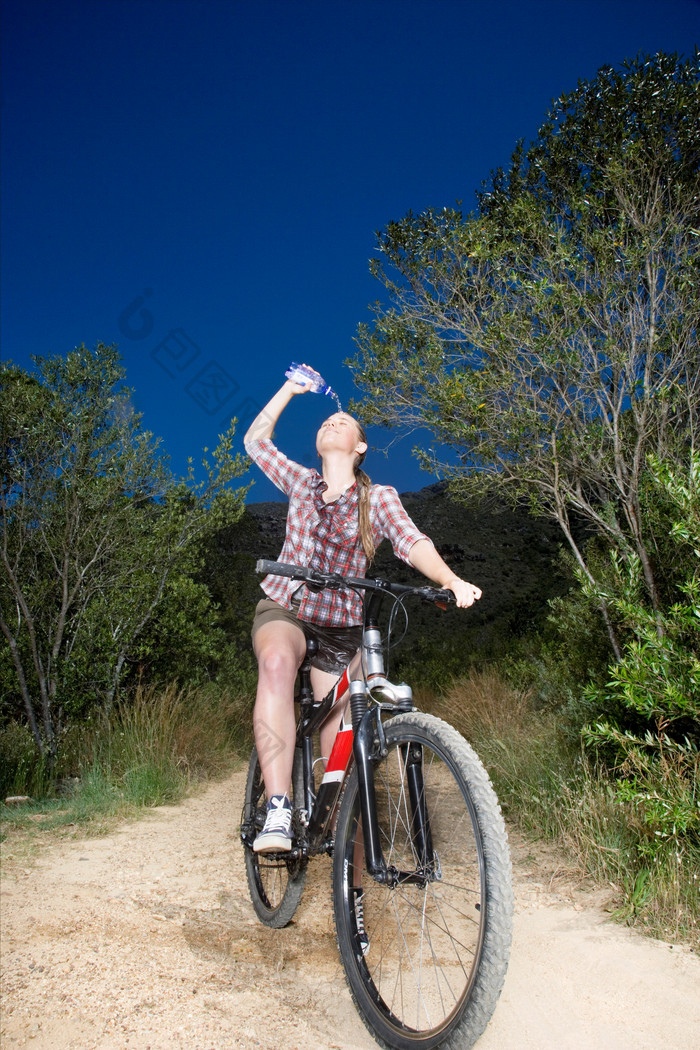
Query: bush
[
  {"x": 22, "y": 769},
  {"x": 100, "y": 543},
  {"x": 526, "y": 757},
  {"x": 163, "y": 739},
  {"x": 654, "y": 745},
  {"x": 571, "y": 649},
  {"x": 152, "y": 748}
]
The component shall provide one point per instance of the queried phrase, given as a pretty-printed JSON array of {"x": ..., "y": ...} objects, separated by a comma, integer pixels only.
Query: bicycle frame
[{"x": 361, "y": 739}]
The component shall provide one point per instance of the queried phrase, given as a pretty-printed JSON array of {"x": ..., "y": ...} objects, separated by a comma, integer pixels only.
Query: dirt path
[{"x": 146, "y": 940}]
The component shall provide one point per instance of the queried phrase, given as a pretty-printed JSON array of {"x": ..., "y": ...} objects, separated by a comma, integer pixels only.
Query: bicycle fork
[{"x": 369, "y": 746}]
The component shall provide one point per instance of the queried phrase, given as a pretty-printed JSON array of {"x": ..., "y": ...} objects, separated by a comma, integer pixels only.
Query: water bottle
[{"x": 302, "y": 374}]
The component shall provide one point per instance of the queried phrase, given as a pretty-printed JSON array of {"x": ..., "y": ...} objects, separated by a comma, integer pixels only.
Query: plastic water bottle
[{"x": 303, "y": 374}]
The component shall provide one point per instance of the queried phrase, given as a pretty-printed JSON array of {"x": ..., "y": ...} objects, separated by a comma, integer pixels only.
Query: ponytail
[{"x": 364, "y": 486}]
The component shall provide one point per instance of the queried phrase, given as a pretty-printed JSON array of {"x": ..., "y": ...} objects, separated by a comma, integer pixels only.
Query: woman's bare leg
[{"x": 280, "y": 649}]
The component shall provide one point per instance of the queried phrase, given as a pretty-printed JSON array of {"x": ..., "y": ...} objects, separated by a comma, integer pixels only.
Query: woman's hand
[
  {"x": 465, "y": 593},
  {"x": 296, "y": 388}
]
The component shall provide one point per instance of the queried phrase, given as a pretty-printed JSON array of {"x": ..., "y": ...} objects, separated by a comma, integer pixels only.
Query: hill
[{"x": 512, "y": 556}]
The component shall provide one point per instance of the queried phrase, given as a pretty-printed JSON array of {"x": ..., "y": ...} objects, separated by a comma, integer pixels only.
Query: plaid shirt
[{"x": 326, "y": 536}]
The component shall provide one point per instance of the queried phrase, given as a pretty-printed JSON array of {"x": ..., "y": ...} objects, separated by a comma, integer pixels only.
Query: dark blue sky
[{"x": 200, "y": 181}]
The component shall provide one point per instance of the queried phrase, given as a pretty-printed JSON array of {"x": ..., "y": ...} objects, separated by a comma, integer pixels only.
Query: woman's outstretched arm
[{"x": 426, "y": 559}]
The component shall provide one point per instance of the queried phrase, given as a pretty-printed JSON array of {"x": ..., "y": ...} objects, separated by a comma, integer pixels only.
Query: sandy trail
[{"x": 146, "y": 940}]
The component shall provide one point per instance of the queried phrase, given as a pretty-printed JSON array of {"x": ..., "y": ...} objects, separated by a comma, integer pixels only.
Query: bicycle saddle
[{"x": 311, "y": 646}]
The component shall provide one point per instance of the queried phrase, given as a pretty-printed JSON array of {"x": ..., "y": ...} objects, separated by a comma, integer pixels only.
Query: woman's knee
[{"x": 277, "y": 661}]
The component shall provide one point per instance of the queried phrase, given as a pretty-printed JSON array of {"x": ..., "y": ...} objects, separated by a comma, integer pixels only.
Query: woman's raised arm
[{"x": 266, "y": 419}]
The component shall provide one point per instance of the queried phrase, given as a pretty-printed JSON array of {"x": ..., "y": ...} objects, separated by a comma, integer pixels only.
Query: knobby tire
[
  {"x": 439, "y": 942},
  {"x": 275, "y": 881}
]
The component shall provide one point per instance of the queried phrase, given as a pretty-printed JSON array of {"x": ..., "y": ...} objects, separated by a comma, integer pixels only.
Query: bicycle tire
[
  {"x": 438, "y": 951},
  {"x": 275, "y": 881}
]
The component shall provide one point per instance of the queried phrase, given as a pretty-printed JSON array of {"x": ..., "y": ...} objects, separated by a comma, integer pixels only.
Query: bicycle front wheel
[
  {"x": 429, "y": 965},
  {"x": 275, "y": 880}
]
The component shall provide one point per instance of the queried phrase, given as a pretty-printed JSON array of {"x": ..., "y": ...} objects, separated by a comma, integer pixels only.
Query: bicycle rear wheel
[
  {"x": 275, "y": 880},
  {"x": 439, "y": 938}
]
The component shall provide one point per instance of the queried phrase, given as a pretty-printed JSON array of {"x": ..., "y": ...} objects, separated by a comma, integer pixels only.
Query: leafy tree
[
  {"x": 550, "y": 339},
  {"x": 96, "y": 534},
  {"x": 657, "y": 683}
]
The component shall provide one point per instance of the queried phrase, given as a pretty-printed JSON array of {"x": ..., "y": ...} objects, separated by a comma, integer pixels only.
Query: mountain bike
[{"x": 421, "y": 872}]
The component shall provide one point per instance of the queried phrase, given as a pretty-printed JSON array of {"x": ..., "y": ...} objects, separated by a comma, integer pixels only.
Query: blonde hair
[{"x": 364, "y": 492}]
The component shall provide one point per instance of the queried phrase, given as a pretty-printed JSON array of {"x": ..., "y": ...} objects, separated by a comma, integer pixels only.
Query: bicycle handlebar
[{"x": 334, "y": 581}]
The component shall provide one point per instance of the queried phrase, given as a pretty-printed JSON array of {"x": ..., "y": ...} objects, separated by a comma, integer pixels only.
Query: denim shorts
[{"x": 336, "y": 645}]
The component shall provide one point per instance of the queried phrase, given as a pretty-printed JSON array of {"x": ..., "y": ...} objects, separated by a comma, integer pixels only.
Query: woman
[{"x": 335, "y": 521}]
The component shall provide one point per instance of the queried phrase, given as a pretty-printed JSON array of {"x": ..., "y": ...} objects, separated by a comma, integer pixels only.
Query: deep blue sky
[{"x": 200, "y": 181}]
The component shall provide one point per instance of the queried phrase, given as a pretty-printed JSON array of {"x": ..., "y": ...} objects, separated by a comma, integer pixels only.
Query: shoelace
[{"x": 278, "y": 817}]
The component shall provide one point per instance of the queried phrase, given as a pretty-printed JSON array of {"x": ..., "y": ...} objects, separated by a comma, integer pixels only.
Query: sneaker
[
  {"x": 363, "y": 938},
  {"x": 277, "y": 832}
]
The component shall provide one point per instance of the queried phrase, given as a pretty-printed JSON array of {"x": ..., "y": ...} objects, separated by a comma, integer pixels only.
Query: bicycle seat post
[{"x": 305, "y": 694}]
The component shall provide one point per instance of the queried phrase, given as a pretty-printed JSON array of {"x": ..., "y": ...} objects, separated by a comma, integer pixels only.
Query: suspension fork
[
  {"x": 420, "y": 821},
  {"x": 365, "y": 725},
  {"x": 367, "y": 729},
  {"x": 369, "y": 744}
]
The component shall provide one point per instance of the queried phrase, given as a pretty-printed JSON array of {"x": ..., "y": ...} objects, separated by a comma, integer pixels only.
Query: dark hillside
[{"x": 510, "y": 555}]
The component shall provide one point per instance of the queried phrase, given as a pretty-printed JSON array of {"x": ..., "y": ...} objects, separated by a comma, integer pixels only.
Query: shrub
[
  {"x": 153, "y": 746},
  {"x": 654, "y": 747}
]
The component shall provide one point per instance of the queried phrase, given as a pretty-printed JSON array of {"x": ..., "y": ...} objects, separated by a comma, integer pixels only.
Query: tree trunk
[
  {"x": 602, "y": 604},
  {"x": 24, "y": 689}
]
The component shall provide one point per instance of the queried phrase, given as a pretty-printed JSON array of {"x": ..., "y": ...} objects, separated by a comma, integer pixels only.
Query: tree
[
  {"x": 656, "y": 686},
  {"x": 95, "y": 531},
  {"x": 550, "y": 338}
]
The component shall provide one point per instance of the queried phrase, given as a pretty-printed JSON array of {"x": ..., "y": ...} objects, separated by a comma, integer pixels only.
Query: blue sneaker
[{"x": 277, "y": 832}]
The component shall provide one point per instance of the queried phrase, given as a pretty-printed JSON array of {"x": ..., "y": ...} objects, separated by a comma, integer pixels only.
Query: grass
[
  {"x": 555, "y": 792},
  {"x": 153, "y": 750}
]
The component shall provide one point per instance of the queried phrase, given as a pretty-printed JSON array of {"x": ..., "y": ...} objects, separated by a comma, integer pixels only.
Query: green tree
[
  {"x": 96, "y": 534},
  {"x": 549, "y": 340},
  {"x": 656, "y": 685}
]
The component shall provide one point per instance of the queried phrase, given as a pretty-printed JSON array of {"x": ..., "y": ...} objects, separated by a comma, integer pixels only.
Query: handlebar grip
[
  {"x": 277, "y": 568},
  {"x": 442, "y": 597}
]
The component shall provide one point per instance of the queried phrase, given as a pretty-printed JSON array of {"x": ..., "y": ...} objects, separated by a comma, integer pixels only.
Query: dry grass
[
  {"x": 156, "y": 747},
  {"x": 484, "y": 705}
]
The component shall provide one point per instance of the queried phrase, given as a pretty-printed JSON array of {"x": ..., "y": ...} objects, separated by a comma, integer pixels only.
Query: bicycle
[{"x": 408, "y": 813}]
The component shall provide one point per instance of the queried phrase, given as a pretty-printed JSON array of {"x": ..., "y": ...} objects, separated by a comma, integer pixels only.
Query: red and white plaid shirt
[{"x": 325, "y": 536}]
